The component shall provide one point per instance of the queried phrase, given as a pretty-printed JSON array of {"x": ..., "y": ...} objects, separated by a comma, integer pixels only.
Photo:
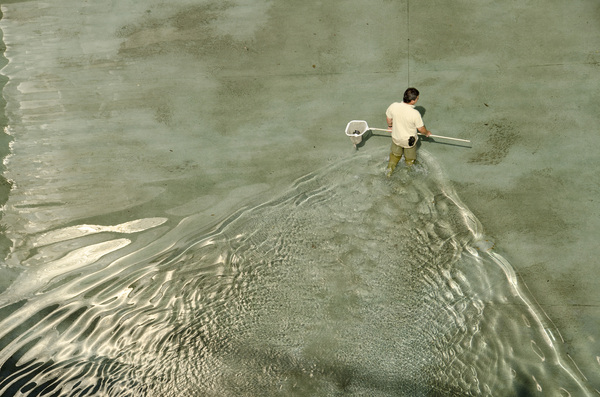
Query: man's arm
[
  {"x": 423, "y": 131},
  {"x": 389, "y": 122}
]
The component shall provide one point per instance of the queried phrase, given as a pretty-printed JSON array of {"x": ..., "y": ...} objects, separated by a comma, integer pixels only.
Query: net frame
[{"x": 355, "y": 129}]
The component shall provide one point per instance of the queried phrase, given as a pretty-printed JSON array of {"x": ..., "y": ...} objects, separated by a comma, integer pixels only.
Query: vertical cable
[{"x": 408, "y": 39}]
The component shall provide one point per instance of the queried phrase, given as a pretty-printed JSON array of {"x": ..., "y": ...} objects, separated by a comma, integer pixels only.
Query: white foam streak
[
  {"x": 72, "y": 232},
  {"x": 34, "y": 279}
]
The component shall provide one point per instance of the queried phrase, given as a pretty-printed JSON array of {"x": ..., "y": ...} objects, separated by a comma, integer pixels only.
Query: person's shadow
[{"x": 422, "y": 111}]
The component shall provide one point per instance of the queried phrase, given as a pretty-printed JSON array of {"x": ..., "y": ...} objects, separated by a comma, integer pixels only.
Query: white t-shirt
[{"x": 405, "y": 121}]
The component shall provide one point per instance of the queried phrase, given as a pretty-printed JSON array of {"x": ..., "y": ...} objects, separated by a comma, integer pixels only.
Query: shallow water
[
  {"x": 153, "y": 249},
  {"x": 348, "y": 283}
]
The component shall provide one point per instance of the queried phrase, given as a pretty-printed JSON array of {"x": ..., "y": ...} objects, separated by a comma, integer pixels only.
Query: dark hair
[{"x": 410, "y": 94}]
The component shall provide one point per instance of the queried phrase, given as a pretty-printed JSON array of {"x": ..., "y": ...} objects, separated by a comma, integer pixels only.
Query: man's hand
[{"x": 424, "y": 131}]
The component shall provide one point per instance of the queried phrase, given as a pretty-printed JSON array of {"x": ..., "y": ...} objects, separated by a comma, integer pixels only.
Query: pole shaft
[{"x": 433, "y": 136}]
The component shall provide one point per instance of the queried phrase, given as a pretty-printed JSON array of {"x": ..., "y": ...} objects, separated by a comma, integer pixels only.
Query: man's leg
[
  {"x": 395, "y": 156},
  {"x": 410, "y": 155}
]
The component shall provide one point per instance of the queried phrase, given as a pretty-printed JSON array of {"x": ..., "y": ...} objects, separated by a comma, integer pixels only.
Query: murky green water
[
  {"x": 184, "y": 216},
  {"x": 349, "y": 283}
]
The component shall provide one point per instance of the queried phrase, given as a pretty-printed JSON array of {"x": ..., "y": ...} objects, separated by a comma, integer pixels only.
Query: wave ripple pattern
[{"x": 348, "y": 284}]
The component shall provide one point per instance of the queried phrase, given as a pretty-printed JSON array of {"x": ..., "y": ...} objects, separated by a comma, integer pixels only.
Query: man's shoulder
[
  {"x": 402, "y": 107},
  {"x": 395, "y": 105}
]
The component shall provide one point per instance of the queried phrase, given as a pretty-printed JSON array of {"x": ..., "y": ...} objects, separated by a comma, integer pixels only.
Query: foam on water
[{"x": 349, "y": 283}]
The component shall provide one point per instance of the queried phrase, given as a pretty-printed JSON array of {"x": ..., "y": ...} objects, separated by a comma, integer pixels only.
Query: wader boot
[{"x": 392, "y": 164}]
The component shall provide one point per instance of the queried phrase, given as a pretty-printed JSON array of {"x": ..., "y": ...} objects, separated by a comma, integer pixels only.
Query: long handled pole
[{"x": 433, "y": 136}]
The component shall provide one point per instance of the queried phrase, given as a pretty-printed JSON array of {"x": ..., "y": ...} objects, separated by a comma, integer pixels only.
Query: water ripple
[{"x": 348, "y": 283}]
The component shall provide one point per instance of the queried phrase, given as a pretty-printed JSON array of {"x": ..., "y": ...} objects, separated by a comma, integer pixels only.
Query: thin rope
[{"x": 408, "y": 39}]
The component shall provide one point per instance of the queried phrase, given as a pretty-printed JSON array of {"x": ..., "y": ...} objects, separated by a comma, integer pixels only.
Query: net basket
[{"x": 355, "y": 130}]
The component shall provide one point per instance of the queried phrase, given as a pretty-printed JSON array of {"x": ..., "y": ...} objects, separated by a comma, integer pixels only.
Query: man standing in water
[{"x": 405, "y": 121}]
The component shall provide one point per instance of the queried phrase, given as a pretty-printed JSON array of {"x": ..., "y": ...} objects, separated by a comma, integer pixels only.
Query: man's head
[{"x": 411, "y": 94}]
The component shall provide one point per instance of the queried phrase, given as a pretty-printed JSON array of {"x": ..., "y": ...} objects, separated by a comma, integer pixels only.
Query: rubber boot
[{"x": 392, "y": 164}]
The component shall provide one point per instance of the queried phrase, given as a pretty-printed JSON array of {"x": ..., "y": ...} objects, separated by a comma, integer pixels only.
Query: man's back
[{"x": 405, "y": 121}]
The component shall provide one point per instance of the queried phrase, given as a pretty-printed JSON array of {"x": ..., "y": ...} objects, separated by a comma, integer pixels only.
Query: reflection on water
[{"x": 348, "y": 284}]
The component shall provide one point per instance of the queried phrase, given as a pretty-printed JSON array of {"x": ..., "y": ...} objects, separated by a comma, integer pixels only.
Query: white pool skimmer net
[{"x": 357, "y": 128}]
